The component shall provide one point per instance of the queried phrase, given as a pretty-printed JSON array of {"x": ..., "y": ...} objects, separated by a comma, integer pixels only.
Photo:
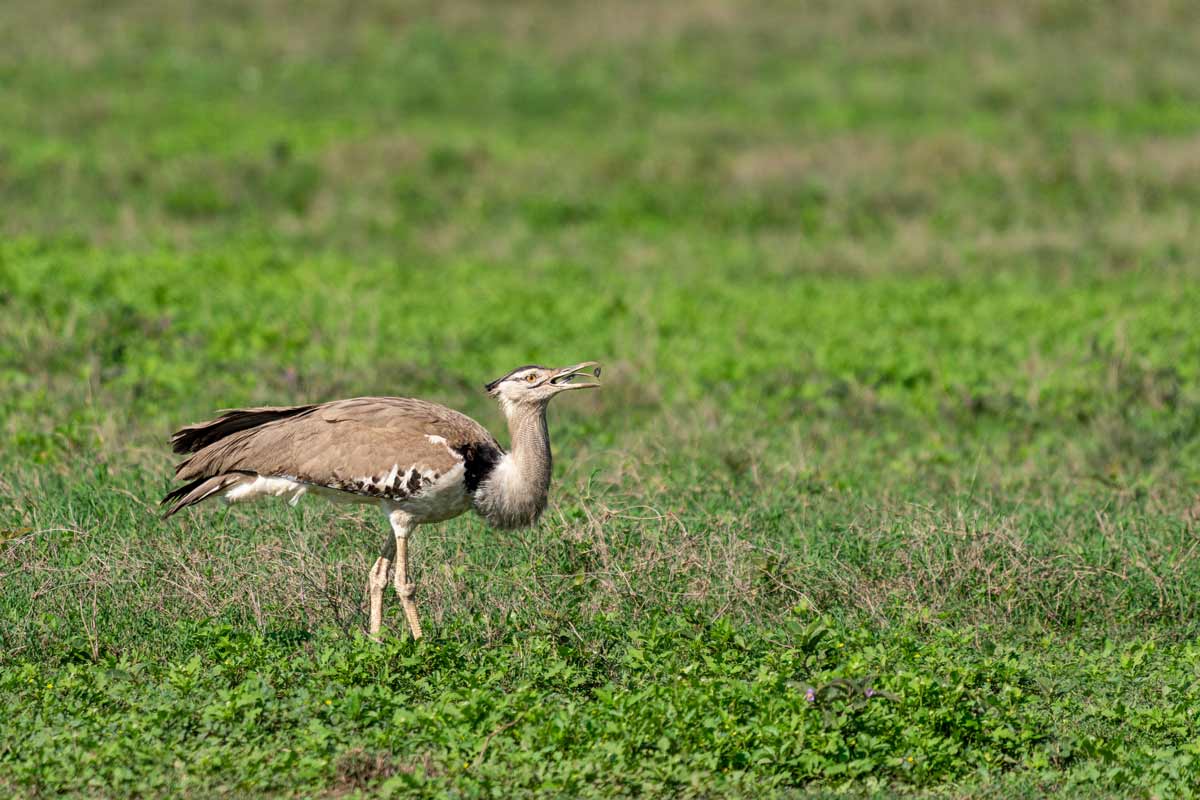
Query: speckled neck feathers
[{"x": 514, "y": 494}]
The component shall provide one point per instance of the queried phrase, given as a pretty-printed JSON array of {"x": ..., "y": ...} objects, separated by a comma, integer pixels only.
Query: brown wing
[
  {"x": 376, "y": 446},
  {"x": 193, "y": 438}
]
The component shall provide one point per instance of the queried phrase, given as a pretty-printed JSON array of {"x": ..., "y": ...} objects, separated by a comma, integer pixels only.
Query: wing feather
[{"x": 377, "y": 446}]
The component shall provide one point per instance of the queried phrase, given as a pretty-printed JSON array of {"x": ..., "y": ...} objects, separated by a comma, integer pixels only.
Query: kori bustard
[{"x": 420, "y": 461}]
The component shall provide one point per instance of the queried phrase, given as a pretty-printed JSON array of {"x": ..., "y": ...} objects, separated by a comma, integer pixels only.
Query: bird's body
[
  {"x": 420, "y": 457},
  {"x": 420, "y": 461}
]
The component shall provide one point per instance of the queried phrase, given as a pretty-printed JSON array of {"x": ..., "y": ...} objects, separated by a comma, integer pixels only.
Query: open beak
[{"x": 578, "y": 376}]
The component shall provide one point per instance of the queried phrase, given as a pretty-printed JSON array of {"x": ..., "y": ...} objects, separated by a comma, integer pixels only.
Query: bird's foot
[{"x": 407, "y": 590}]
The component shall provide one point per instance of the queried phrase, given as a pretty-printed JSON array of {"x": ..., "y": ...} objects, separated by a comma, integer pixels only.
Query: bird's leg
[
  {"x": 401, "y": 526},
  {"x": 405, "y": 589},
  {"x": 376, "y": 581}
]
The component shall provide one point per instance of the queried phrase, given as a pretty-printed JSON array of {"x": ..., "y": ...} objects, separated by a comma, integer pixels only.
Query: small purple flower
[
  {"x": 869, "y": 692},
  {"x": 811, "y": 695}
]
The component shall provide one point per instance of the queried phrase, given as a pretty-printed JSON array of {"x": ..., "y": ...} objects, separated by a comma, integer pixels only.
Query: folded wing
[{"x": 380, "y": 447}]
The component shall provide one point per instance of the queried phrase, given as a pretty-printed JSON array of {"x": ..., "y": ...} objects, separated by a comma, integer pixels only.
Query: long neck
[
  {"x": 514, "y": 494},
  {"x": 531, "y": 451}
]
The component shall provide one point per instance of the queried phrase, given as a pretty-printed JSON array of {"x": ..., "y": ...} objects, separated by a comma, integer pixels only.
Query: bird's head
[{"x": 533, "y": 386}]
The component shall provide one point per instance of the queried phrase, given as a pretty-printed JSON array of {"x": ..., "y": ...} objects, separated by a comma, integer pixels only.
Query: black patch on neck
[{"x": 479, "y": 459}]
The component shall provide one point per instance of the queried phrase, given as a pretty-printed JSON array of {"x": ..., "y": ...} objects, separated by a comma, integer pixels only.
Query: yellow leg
[
  {"x": 401, "y": 526},
  {"x": 405, "y": 589},
  {"x": 376, "y": 581}
]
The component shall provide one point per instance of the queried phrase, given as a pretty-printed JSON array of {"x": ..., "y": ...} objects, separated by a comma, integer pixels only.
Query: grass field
[{"x": 893, "y": 487}]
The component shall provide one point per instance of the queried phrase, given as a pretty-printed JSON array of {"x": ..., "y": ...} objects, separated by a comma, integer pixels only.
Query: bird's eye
[{"x": 529, "y": 378}]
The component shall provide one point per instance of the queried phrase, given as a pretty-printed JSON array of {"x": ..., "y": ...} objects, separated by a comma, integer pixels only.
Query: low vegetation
[{"x": 893, "y": 487}]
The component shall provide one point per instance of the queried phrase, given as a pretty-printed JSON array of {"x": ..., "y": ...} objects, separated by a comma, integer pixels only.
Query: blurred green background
[{"x": 897, "y": 305}]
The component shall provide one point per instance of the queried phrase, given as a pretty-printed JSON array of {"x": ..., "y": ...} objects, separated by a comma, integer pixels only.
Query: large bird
[{"x": 420, "y": 461}]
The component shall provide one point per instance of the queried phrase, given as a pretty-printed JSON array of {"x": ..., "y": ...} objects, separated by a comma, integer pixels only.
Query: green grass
[{"x": 897, "y": 307}]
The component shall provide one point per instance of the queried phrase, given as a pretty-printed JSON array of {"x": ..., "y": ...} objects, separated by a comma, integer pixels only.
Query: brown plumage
[
  {"x": 385, "y": 448},
  {"x": 420, "y": 461}
]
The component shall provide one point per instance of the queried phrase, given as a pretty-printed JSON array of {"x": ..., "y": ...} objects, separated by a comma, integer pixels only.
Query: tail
[
  {"x": 198, "y": 436},
  {"x": 198, "y": 491}
]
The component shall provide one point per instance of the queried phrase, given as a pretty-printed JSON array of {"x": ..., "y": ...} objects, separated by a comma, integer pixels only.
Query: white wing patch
[
  {"x": 391, "y": 476},
  {"x": 263, "y": 486}
]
